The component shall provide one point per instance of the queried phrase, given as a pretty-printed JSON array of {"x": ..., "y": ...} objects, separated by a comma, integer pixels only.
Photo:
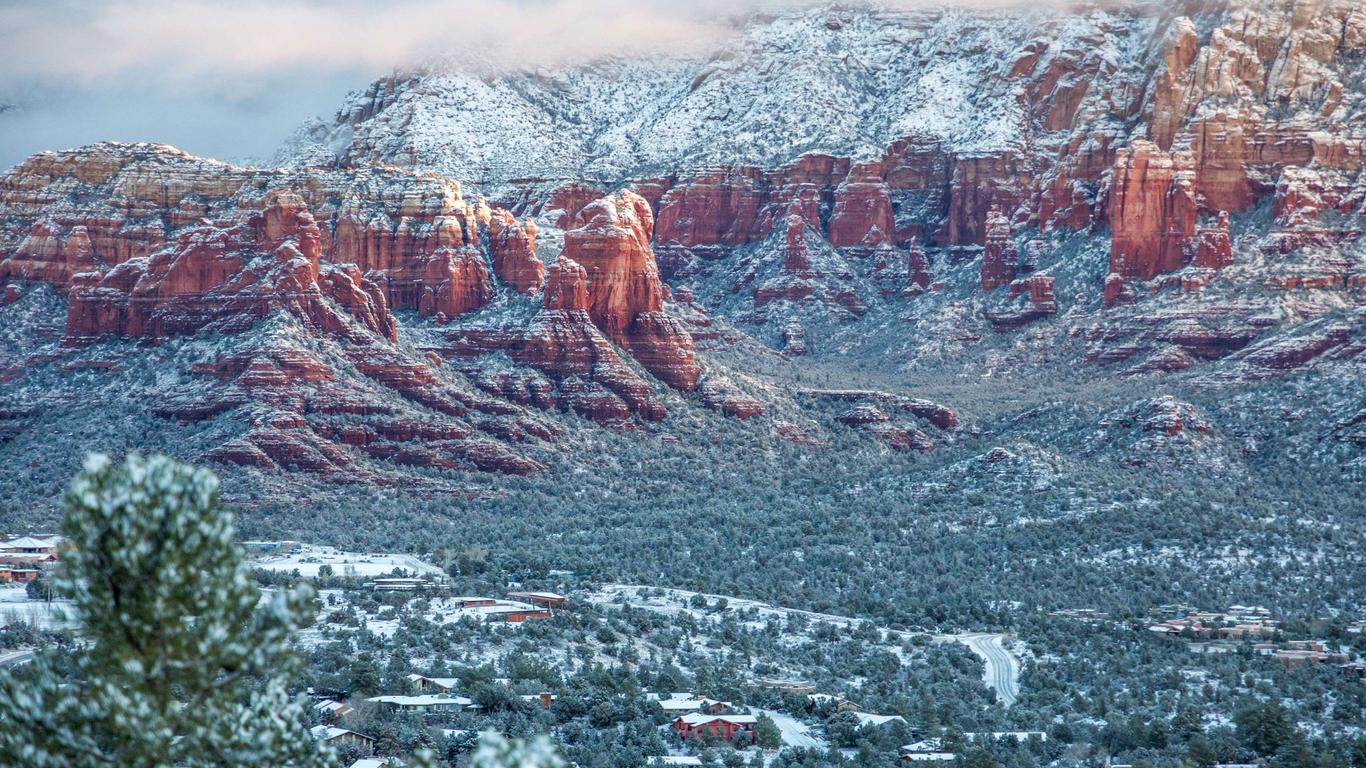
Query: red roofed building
[{"x": 728, "y": 727}]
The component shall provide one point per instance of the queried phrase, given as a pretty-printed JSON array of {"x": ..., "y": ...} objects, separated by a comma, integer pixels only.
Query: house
[
  {"x": 543, "y": 599},
  {"x": 544, "y": 698},
  {"x": 467, "y": 601},
  {"x": 426, "y": 684},
  {"x": 868, "y": 718},
  {"x": 336, "y": 737},
  {"x": 927, "y": 751},
  {"x": 787, "y": 686},
  {"x": 377, "y": 762},
  {"x": 27, "y": 554},
  {"x": 728, "y": 727},
  {"x": 840, "y": 703},
  {"x": 516, "y": 614},
  {"x": 31, "y": 545},
  {"x": 675, "y": 760},
  {"x": 678, "y": 704},
  {"x": 1018, "y": 736},
  {"x": 425, "y": 703},
  {"x": 716, "y": 707},
  {"x": 332, "y": 711},
  {"x": 399, "y": 585},
  {"x": 9, "y": 574}
]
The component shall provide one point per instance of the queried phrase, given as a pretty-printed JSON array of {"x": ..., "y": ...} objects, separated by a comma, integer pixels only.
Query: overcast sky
[{"x": 232, "y": 79}]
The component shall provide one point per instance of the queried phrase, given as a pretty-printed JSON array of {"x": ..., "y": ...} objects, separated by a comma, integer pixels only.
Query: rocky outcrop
[
  {"x": 625, "y": 293},
  {"x": 231, "y": 276},
  {"x": 513, "y": 245},
  {"x": 898, "y": 421},
  {"x": 919, "y": 274},
  {"x": 808, "y": 271},
  {"x": 1214, "y": 248},
  {"x": 721, "y": 394},
  {"x": 1032, "y": 299},
  {"x": 1152, "y": 211},
  {"x": 862, "y": 215},
  {"x": 794, "y": 338},
  {"x": 585, "y": 373},
  {"x": 1000, "y": 259}
]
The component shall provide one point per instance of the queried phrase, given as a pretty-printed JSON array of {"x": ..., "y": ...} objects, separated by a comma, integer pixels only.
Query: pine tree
[
  {"x": 767, "y": 733},
  {"x": 183, "y": 664}
]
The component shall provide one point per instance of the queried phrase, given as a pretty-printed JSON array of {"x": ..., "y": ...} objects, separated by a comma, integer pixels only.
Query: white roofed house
[
  {"x": 927, "y": 751},
  {"x": 676, "y": 705},
  {"x": 339, "y": 736},
  {"x": 543, "y": 599},
  {"x": 865, "y": 718},
  {"x": 28, "y": 554},
  {"x": 332, "y": 711},
  {"x": 424, "y": 684},
  {"x": 425, "y": 703}
]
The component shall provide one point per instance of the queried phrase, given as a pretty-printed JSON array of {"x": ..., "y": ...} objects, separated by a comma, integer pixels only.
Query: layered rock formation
[{"x": 626, "y": 296}]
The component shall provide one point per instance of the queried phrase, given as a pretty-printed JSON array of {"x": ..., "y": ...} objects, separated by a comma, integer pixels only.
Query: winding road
[
  {"x": 1002, "y": 672},
  {"x": 16, "y": 658}
]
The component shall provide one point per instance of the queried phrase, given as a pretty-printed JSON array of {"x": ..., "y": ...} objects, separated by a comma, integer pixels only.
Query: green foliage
[
  {"x": 181, "y": 666},
  {"x": 767, "y": 733}
]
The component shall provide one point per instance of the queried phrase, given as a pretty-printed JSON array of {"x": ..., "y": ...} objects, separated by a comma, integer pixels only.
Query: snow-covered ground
[
  {"x": 1001, "y": 670},
  {"x": 15, "y": 606},
  {"x": 795, "y": 732},
  {"x": 310, "y": 558},
  {"x": 840, "y": 80}
]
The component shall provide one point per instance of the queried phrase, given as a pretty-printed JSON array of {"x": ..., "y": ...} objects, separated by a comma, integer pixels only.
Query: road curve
[
  {"x": 1002, "y": 673},
  {"x": 16, "y": 657}
]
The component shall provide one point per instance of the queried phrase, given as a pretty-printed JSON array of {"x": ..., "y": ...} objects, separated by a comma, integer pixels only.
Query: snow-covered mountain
[{"x": 840, "y": 81}]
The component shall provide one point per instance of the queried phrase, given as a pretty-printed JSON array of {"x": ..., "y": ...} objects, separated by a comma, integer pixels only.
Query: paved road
[
  {"x": 15, "y": 658},
  {"x": 1002, "y": 671}
]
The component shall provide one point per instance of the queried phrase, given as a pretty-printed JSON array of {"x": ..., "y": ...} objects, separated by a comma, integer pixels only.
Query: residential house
[
  {"x": 865, "y": 718},
  {"x": 339, "y": 736},
  {"x": 424, "y": 684},
  {"x": 400, "y": 585},
  {"x": 786, "y": 686},
  {"x": 515, "y": 614},
  {"x": 377, "y": 762},
  {"x": 425, "y": 703},
  {"x": 927, "y": 751},
  {"x": 544, "y": 698},
  {"x": 26, "y": 555},
  {"x": 33, "y": 546},
  {"x": 543, "y": 599},
  {"x": 728, "y": 727},
  {"x": 332, "y": 711},
  {"x": 11, "y": 575}
]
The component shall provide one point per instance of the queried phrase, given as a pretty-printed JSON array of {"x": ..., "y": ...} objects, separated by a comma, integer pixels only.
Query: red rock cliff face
[
  {"x": 1152, "y": 211},
  {"x": 514, "y": 252},
  {"x": 564, "y": 343},
  {"x": 213, "y": 274},
  {"x": 626, "y": 296},
  {"x": 162, "y": 244},
  {"x": 1000, "y": 259}
]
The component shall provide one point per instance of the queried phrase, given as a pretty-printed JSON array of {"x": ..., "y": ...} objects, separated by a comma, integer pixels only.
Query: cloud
[
  {"x": 232, "y": 78},
  {"x": 92, "y": 40}
]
